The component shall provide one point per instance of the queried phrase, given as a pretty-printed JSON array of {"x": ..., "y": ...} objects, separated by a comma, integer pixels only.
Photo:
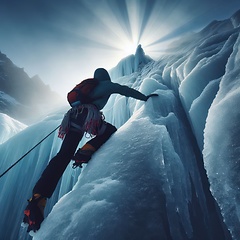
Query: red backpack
[{"x": 80, "y": 94}]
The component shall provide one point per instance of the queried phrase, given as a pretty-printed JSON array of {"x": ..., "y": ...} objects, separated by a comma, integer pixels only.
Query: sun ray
[{"x": 121, "y": 26}]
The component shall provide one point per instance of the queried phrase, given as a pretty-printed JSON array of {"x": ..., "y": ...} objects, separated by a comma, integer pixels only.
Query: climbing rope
[{"x": 28, "y": 152}]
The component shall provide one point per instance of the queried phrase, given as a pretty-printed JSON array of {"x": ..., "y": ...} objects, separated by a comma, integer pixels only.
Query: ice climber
[{"x": 80, "y": 119}]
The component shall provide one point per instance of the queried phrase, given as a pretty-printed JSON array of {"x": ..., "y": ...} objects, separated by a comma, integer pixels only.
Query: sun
[{"x": 129, "y": 48}]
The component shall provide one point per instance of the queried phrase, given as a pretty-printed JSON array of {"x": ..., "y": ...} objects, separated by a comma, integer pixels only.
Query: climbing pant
[{"x": 57, "y": 165}]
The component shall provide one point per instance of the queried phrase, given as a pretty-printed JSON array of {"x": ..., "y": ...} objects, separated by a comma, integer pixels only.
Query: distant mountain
[
  {"x": 210, "y": 33},
  {"x": 22, "y": 97}
]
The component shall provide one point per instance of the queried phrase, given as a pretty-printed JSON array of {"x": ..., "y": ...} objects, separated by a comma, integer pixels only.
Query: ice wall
[
  {"x": 206, "y": 75},
  {"x": 144, "y": 183},
  {"x": 222, "y": 143}
]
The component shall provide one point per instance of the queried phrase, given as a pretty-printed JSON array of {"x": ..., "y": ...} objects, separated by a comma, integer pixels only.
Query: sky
[{"x": 64, "y": 41}]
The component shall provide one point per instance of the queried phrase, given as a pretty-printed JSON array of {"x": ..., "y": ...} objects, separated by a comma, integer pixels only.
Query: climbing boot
[
  {"x": 34, "y": 212},
  {"x": 83, "y": 155}
]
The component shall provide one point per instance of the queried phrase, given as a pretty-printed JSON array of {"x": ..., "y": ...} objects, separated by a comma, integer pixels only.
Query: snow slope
[{"x": 9, "y": 127}]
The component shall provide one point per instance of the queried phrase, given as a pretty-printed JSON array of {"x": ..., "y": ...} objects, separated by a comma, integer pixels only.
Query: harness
[{"x": 93, "y": 124}]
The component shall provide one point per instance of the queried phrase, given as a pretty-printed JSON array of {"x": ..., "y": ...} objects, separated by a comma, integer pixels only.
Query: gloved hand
[{"x": 152, "y": 95}]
